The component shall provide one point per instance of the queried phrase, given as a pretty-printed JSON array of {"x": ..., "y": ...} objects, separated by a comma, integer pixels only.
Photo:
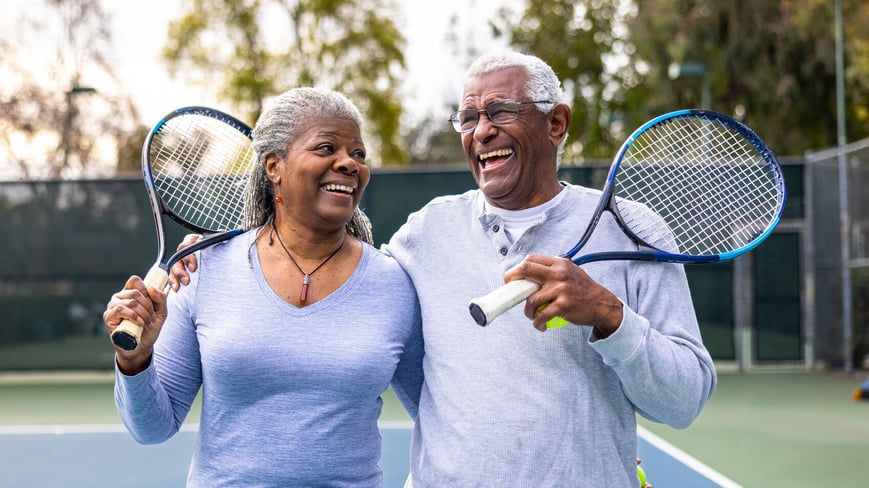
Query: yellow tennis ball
[
  {"x": 555, "y": 323},
  {"x": 642, "y": 476}
]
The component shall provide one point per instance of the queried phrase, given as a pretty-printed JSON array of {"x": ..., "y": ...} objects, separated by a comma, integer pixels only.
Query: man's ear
[{"x": 559, "y": 122}]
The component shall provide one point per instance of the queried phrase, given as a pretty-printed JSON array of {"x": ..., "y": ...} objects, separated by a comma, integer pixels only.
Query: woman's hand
[
  {"x": 179, "y": 274},
  {"x": 143, "y": 306}
]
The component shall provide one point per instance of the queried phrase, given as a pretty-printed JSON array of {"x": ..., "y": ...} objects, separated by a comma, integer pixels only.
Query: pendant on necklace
[{"x": 303, "y": 297}]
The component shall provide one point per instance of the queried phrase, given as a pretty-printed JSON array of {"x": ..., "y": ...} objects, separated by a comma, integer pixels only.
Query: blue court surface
[{"x": 102, "y": 456}]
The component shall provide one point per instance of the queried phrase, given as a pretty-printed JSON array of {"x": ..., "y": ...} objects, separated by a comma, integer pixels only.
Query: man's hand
[
  {"x": 179, "y": 273},
  {"x": 568, "y": 292}
]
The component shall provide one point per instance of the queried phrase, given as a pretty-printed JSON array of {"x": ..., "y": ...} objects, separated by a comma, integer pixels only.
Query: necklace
[{"x": 303, "y": 296}]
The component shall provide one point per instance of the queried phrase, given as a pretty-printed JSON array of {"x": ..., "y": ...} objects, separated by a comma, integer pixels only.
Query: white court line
[{"x": 687, "y": 459}]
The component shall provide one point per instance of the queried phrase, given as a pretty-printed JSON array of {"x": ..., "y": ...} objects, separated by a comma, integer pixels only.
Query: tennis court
[
  {"x": 759, "y": 430},
  {"x": 100, "y": 455}
]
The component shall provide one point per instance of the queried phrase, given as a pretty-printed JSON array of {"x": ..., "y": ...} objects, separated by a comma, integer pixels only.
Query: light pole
[
  {"x": 693, "y": 70},
  {"x": 67, "y": 121},
  {"x": 844, "y": 212}
]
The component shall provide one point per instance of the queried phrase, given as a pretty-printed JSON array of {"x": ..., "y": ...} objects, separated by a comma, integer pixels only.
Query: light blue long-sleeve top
[
  {"x": 290, "y": 396},
  {"x": 506, "y": 405}
]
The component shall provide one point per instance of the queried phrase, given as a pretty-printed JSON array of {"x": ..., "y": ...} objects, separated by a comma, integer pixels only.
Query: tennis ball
[
  {"x": 555, "y": 323},
  {"x": 642, "y": 476}
]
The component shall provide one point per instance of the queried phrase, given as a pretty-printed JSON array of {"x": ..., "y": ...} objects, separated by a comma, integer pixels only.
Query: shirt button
[
  {"x": 496, "y": 228},
  {"x": 503, "y": 251}
]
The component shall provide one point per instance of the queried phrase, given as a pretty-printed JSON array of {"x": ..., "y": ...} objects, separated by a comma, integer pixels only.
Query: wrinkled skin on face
[{"x": 514, "y": 164}]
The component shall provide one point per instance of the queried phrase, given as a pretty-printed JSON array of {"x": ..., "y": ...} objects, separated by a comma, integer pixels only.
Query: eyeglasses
[{"x": 499, "y": 113}]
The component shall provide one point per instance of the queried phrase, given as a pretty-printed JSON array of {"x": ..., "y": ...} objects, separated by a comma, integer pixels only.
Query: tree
[
  {"x": 575, "y": 38},
  {"x": 769, "y": 63},
  {"x": 433, "y": 140},
  {"x": 351, "y": 46},
  {"x": 814, "y": 20},
  {"x": 130, "y": 151},
  {"x": 52, "y": 124}
]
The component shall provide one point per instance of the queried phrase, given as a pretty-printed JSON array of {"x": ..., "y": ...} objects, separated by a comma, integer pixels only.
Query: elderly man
[{"x": 506, "y": 405}]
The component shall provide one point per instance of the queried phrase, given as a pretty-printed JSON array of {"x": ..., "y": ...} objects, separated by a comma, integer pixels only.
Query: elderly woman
[{"x": 292, "y": 330}]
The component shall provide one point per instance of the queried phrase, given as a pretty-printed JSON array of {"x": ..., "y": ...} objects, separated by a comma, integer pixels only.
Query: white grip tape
[
  {"x": 485, "y": 309},
  {"x": 156, "y": 278}
]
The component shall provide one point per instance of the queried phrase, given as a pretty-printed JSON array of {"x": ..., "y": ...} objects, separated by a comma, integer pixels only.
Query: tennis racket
[
  {"x": 196, "y": 163},
  {"x": 691, "y": 186}
]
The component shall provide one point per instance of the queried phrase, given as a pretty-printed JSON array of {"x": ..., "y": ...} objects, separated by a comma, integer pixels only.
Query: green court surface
[
  {"x": 41, "y": 399},
  {"x": 781, "y": 429}
]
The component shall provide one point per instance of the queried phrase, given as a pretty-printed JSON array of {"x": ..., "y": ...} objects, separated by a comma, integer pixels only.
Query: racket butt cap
[
  {"x": 124, "y": 341},
  {"x": 478, "y": 315}
]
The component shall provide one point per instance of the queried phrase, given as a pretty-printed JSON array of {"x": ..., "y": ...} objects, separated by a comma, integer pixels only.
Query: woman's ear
[
  {"x": 559, "y": 122},
  {"x": 273, "y": 168}
]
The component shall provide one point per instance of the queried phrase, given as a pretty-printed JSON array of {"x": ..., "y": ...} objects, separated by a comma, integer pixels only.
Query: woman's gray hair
[
  {"x": 542, "y": 83},
  {"x": 284, "y": 120}
]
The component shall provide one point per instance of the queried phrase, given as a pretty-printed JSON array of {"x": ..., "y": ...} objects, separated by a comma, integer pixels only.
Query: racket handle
[
  {"x": 486, "y": 308},
  {"x": 126, "y": 336}
]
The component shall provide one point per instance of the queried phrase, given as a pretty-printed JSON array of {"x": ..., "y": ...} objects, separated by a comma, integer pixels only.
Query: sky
[
  {"x": 139, "y": 33},
  {"x": 434, "y": 79}
]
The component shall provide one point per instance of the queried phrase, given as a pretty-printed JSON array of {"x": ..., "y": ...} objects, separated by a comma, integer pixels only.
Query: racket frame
[{"x": 128, "y": 334}]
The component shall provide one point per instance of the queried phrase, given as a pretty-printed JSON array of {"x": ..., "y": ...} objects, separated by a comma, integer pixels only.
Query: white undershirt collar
[{"x": 516, "y": 222}]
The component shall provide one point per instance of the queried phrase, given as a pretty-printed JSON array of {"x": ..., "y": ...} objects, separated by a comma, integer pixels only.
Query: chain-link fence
[
  {"x": 68, "y": 245},
  {"x": 840, "y": 228}
]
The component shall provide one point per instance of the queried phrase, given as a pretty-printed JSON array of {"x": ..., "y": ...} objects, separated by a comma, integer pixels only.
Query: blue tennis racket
[
  {"x": 196, "y": 163},
  {"x": 691, "y": 186}
]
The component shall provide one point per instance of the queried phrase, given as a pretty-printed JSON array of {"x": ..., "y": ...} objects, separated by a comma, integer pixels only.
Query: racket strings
[
  {"x": 200, "y": 166},
  {"x": 696, "y": 187}
]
